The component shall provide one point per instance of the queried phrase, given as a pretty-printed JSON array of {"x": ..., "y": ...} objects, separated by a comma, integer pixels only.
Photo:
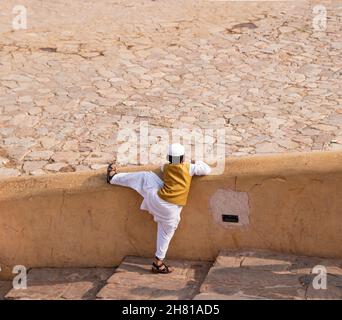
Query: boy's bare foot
[{"x": 112, "y": 170}]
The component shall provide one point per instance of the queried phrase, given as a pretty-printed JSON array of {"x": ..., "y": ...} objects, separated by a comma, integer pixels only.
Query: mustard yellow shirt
[{"x": 177, "y": 180}]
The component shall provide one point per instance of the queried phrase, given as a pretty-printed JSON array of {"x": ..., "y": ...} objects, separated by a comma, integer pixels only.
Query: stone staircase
[{"x": 234, "y": 275}]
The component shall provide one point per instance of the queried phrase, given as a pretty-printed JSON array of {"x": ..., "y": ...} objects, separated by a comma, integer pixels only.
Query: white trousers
[{"x": 167, "y": 215}]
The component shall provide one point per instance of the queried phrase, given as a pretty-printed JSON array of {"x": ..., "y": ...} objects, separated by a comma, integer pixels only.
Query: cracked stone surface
[
  {"x": 84, "y": 70},
  {"x": 133, "y": 280},
  {"x": 268, "y": 275},
  {"x": 62, "y": 284},
  {"x": 235, "y": 275}
]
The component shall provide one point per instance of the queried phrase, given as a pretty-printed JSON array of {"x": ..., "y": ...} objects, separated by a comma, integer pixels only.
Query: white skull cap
[{"x": 176, "y": 150}]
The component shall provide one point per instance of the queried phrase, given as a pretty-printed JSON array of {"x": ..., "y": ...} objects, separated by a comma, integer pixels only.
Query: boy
[{"x": 164, "y": 200}]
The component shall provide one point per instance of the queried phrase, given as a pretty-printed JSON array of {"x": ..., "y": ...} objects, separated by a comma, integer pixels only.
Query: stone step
[
  {"x": 234, "y": 276},
  {"x": 269, "y": 275},
  {"x": 62, "y": 284},
  {"x": 5, "y": 286},
  {"x": 134, "y": 280}
]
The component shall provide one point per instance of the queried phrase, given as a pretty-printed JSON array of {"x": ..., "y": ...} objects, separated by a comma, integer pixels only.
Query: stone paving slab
[
  {"x": 62, "y": 284},
  {"x": 134, "y": 280},
  {"x": 5, "y": 286},
  {"x": 235, "y": 275},
  {"x": 85, "y": 71},
  {"x": 269, "y": 275}
]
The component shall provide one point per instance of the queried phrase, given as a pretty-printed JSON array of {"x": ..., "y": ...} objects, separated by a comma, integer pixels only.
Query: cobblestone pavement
[{"x": 83, "y": 70}]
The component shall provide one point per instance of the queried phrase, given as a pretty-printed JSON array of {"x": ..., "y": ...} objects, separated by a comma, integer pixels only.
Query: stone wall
[{"x": 288, "y": 203}]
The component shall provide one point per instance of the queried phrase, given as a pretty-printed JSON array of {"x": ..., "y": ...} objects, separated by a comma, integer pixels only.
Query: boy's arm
[{"x": 199, "y": 168}]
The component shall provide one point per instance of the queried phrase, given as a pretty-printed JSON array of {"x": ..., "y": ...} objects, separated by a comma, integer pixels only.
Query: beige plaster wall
[{"x": 294, "y": 205}]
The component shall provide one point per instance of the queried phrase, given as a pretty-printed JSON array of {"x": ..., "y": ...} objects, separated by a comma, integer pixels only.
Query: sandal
[
  {"x": 110, "y": 169},
  {"x": 163, "y": 268}
]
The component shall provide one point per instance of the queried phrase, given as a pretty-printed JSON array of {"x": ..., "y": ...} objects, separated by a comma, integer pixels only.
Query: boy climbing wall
[{"x": 163, "y": 199}]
